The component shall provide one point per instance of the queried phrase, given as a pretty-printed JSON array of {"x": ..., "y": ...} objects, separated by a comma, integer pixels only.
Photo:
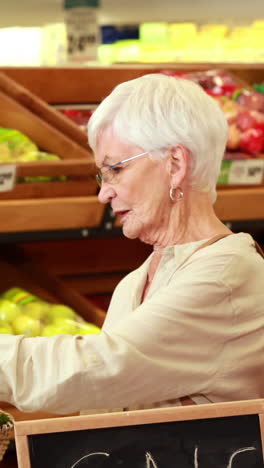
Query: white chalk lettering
[
  {"x": 196, "y": 458},
  {"x": 150, "y": 461},
  {"x": 89, "y": 455},
  {"x": 245, "y": 449}
]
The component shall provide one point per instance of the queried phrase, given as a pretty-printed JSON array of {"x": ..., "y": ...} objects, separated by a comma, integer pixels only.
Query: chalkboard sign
[{"x": 222, "y": 435}]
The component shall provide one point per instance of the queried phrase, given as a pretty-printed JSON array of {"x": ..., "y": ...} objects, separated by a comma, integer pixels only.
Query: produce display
[
  {"x": 79, "y": 116},
  {"x": 17, "y": 147},
  {"x": 243, "y": 107},
  {"x": 22, "y": 313}
]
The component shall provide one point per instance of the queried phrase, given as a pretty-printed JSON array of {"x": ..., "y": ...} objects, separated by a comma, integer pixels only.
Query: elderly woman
[{"x": 187, "y": 326}]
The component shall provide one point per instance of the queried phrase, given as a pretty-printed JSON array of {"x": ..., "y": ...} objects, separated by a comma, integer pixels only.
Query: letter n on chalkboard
[{"x": 221, "y": 435}]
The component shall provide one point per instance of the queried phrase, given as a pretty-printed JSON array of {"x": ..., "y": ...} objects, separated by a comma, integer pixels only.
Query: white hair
[{"x": 156, "y": 112}]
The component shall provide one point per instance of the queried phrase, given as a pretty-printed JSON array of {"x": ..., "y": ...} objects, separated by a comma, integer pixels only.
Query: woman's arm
[{"x": 185, "y": 339}]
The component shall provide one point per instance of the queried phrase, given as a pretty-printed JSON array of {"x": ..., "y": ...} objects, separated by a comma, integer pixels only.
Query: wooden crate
[
  {"x": 18, "y": 270},
  {"x": 52, "y": 132},
  {"x": 79, "y": 173},
  {"x": 92, "y": 84}
]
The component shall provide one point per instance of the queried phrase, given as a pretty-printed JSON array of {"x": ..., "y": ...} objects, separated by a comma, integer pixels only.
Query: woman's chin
[
  {"x": 132, "y": 229},
  {"x": 129, "y": 233}
]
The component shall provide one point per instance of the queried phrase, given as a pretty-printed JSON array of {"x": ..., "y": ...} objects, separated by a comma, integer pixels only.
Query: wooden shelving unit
[
  {"x": 86, "y": 212},
  {"x": 89, "y": 86}
]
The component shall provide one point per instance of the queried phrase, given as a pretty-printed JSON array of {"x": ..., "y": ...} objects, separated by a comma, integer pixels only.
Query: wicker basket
[{"x": 6, "y": 425}]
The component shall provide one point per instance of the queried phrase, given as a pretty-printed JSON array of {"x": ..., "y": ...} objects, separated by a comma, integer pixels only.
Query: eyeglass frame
[{"x": 100, "y": 175}]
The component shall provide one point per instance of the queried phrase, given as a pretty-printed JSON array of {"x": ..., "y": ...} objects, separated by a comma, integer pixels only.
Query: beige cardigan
[{"x": 200, "y": 332}]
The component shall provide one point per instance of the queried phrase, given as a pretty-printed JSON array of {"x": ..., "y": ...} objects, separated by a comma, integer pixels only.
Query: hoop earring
[{"x": 172, "y": 194}]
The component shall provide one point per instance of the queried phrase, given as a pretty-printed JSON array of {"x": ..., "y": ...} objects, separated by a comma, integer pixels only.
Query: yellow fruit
[
  {"x": 88, "y": 328},
  {"x": 66, "y": 325},
  {"x": 8, "y": 310},
  {"x": 52, "y": 330},
  {"x": 5, "y": 328},
  {"x": 25, "y": 325},
  {"x": 61, "y": 310},
  {"x": 36, "y": 309}
]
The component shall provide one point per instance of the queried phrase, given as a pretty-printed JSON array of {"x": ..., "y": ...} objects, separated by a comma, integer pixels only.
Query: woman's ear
[{"x": 177, "y": 164}]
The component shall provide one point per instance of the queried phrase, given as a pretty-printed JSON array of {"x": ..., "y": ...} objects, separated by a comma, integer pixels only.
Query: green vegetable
[{"x": 5, "y": 420}]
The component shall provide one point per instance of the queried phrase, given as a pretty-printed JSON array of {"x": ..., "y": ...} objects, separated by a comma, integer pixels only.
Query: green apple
[
  {"x": 28, "y": 157},
  {"x": 19, "y": 296},
  {"x": 5, "y": 327},
  {"x": 68, "y": 326},
  {"x": 5, "y": 153},
  {"x": 61, "y": 310},
  {"x": 37, "y": 309},
  {"x": 42, "y": 156},
  {"x": 52, "y": 330},
  {"x": 25, "y": 325},
  {"x": 8, "y": 310},
  {"x": 9, "y": 294},
  {"x": 88, "y": 328}
]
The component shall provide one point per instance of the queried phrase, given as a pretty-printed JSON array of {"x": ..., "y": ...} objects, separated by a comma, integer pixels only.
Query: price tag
[
  {"x": 7, "y": 177},
  {"x": 242, "y": 172},
  {"x": 246, "y": 172},
  {"x": 82, "y": 31}
]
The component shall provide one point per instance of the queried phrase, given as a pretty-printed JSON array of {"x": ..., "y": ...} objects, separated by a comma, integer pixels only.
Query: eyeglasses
[{"x": 110, "y": 175}]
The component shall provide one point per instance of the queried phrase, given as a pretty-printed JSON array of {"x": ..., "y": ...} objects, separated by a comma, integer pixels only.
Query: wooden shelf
[
  {"x": 92, "y": 84},
  {"x": 50, "y": 213},
  {"x": 86, "y": 212},
  {"x": 240, "y": 204}
]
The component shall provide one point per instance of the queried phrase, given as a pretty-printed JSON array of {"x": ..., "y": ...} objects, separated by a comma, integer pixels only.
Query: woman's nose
[{"x": 106, "y": 193}]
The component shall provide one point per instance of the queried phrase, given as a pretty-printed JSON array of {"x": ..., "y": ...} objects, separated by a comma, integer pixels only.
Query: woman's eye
[{"x": 116, "y": 169}]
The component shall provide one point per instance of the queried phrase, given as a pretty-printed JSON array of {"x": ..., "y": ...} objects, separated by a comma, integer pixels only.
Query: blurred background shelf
[
  {"x": 89, "y": 85},
  {"x": 54, "y": 207}
]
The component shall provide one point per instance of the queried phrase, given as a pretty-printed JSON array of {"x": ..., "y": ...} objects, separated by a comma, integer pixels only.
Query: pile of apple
[
  {"x": 22, "y": 313},
  {"x": 243, "y": 107},
  {"x": 15, "y": 147},
  {"x": 78, "y": 116},
  {"x": 246, "y": 129}
]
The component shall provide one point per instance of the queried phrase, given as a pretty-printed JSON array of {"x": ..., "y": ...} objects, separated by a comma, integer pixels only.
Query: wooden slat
[
  {"x": 47, "y": 138},
  {"x": 90, "y": 284},
  {"x": 80, "y": 179},
  {"x": 261, "y": 420},
  {"x": 66, "y": 167},
  {"x": 78, "y": 212},
  {"x": 88, "y": 256},
  {"x": 240, "y": 204},
  {"x": 91, "y": 85},
  {"x": 70, "y": 188},
  {"x": 49, "y": 213},
  {"x": 43, "y": 110},
  {"x": 150, "y": 416}
]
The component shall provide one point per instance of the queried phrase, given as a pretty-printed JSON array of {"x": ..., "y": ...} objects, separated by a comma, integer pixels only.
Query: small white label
[
  {"x": 246, "y": 172},
  {"x": 82, "y": 34},
  {"x": 7, "y": 177}
]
